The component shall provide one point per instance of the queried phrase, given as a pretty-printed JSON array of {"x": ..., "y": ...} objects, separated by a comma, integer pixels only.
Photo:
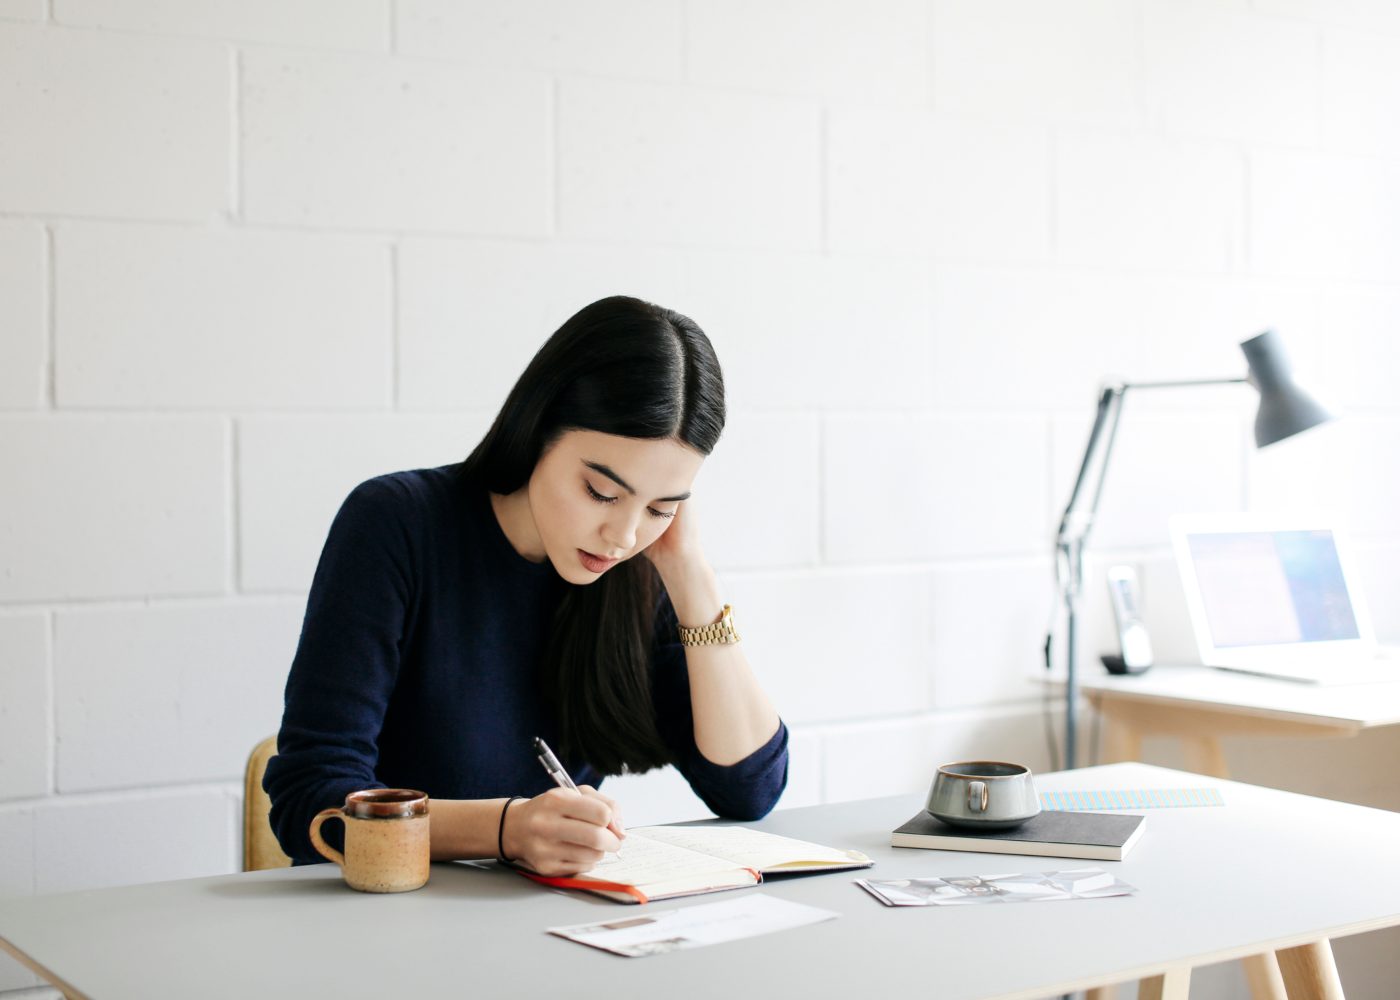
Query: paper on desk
[
  {"x": 1028, "y": 887},
  {"x": 660, "y": 931}
]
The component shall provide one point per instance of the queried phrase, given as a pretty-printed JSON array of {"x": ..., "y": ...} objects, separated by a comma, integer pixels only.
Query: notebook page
[
  {"x": 645, "y": 861},
  {"x": 752, "y": 848}
]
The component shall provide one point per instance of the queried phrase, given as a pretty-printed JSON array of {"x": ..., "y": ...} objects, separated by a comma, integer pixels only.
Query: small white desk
[
  {"x": 1215, "y": 884},
  {"x": 1199, "y": 705}
]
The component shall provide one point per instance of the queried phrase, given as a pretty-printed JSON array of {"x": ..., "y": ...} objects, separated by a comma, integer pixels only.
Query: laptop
[{"x": 1278, "y": 595}]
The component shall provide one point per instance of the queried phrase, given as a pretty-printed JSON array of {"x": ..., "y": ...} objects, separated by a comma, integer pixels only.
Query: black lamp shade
[{"x": 1284, "y": 409}]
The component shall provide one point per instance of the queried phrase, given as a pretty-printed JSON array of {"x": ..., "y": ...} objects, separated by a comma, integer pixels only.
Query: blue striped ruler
[{"x": 1131, "y": 798}]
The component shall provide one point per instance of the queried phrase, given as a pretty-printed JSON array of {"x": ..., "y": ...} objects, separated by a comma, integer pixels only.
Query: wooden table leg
[
  {"x": 1265, "y": 980},
  {"x": 1122, "y": 742},
  {"x": 1204, "y": 756},
  {"x": 1174, "y": 984},
  {"x": 1310, "y": 972}
]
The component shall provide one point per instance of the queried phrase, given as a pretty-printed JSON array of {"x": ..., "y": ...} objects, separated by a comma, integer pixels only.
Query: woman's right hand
[{"x": 562, "y": 832}]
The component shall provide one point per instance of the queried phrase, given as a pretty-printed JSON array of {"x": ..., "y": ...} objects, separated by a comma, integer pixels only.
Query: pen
[
  {"x": 552, "y": 765},
  {"x": 561, "y": 777}
]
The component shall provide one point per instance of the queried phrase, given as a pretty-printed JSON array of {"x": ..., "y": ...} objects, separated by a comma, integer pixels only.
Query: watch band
[{"x": 717, "y": 633}]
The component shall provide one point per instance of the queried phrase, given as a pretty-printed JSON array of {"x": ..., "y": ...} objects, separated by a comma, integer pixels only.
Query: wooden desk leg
[
  {"x": 1174, "y": 984},
  {"x": 1265, "y": 980},
  {"x": 1310, "y": 972},
  {"x": 1122, "y": 742},
  {"x": 1204, "y": 756}
]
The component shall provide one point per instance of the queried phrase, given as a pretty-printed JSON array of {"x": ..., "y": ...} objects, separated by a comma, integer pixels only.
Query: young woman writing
[{"x": 551, "y": 585}]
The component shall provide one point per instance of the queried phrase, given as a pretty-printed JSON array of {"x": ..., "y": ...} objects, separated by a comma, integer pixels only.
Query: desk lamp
[{"x": 1284, "y": 410}]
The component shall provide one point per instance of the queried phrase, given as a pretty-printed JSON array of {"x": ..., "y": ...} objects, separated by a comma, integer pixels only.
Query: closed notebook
[
  {"x": 662, "y": 862},
  {"x": 1096, "y": 836}
]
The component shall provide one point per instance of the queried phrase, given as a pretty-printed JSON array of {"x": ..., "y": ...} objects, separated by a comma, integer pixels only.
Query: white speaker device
[{"x": 1136, "y": 648}]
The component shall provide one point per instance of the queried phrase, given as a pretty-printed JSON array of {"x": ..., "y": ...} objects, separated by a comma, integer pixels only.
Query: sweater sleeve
[
  {"x": 745, "y": 790},
  {"x": 345, "y": 667}
]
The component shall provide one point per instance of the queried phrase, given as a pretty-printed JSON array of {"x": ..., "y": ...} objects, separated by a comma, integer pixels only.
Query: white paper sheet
[
  {"x": 1027, "y": 887},
  {"x": 660, "y": 931}
]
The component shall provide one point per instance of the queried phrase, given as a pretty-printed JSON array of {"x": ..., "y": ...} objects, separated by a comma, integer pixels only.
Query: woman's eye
[
  {"x": 661, "y": 514},
  {"x": 596, "y": 495}
]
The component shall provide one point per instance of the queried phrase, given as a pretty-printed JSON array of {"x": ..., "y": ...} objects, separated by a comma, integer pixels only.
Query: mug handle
[
  {"x": 327, "y": 851},
  {"x": 976, "y": 797}
]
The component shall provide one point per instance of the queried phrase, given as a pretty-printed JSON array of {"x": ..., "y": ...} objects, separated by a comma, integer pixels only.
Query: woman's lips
[{"x": 594, "y": 564}]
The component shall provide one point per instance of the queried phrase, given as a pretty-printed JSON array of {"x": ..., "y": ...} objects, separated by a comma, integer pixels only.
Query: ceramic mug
[
  {"x": 386, "y": 839},
  {"x": 986, "y": 794}
]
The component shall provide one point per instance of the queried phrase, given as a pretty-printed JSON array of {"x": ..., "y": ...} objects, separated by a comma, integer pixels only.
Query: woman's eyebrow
[{"x": 602, "y": 469}]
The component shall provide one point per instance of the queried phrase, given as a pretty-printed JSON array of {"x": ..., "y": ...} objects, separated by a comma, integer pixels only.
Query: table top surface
[
  {"x": 1351, "y": 706},
  {"x": 1261, "y": 872}
]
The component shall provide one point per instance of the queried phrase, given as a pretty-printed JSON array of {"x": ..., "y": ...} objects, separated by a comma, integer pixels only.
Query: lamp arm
[
  {"x": 1105, "y": 428},
  {"x": 1076, "y": 523}
]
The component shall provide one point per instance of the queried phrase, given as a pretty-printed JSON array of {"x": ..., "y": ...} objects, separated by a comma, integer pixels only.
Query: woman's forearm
[
  {"x": 464, "y": 828},
  {"x": 733, "y": 716}
]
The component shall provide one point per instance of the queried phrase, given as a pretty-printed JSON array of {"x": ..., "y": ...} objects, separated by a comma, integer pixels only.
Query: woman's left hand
[
  {"x": 687, "y": 576},
  {"x": 678, "y": 547}
]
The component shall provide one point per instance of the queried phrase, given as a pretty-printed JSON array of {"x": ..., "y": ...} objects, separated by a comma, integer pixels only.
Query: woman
[{"x": 457, "y": 613}]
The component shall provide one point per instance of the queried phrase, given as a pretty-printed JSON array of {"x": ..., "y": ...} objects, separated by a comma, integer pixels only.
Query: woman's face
[{"x": 597, "y": 499}]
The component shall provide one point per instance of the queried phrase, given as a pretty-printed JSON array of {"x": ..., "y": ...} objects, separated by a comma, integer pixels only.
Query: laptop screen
[{"x": 1272, "y": 587}]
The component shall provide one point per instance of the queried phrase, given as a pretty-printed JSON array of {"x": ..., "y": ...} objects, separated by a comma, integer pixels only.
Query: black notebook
[{"x": 1097, "y": 836}]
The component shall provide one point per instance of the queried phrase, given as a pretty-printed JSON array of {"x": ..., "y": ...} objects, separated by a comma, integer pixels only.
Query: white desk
[
  {"x": 1199, "y": 705},
  {"x": 1215, "y": 884}
]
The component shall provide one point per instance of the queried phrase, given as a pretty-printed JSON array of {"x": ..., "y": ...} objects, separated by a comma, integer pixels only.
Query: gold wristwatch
[{"x": 718, "y": 633}]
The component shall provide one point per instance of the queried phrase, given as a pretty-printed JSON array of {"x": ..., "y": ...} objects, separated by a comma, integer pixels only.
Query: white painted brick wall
[
  {"x": 1317, "y": 215},
  {"x": 26, "y": 736},
  {"x": 16, "y": 879},
  {"x": 254, "y": 253},
  {"x": 112, "y": 507},
  {"x": 333, "y": 24},
  {"x": 685, "y": 165},
  {"x": 1162, "y": 464},
  {"x": 873, "y": 52},
  {"x": 104, "y": 131},
  {"x": 1140, "y": 200},
  {"x": 1362, "y": 15},
  {"x": 908, "y": 488},
  {"x": 809, "y": 331},
  {"x": 633, "y": 39},
  {"x": 294, "y": 473},
  {"x": 22, "y": 346},
  {"x": 866, "y": 760},
  {"x": 875, "y": 666},
  {"x": 989, "y": 623},
  {"x": 919, "y": 183},
  {"x": 198, "y": 684},
  {"x": 107, "y": 840},
  {"x": 1226, "y": 74},
  {"x": 1361, "y": 76},
  {"x": 160, "y": 317},
  {"x": 470, "y": 311},
  {"x": 22, "y": 10},
  {"x": 758, "y": 495},
  {"x": 358, "y": 142},
  {"x": 1072, "y": 60}
]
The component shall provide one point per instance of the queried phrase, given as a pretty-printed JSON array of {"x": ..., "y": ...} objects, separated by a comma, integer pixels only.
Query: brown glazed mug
[{"x": 386, "y": 839}]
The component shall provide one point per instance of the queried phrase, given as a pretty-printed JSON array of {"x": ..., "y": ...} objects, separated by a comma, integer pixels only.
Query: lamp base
[{"x": 1115, "y": 665}]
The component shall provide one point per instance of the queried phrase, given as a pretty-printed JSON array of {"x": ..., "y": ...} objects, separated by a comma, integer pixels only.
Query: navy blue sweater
[{"x": 417, "y": 667}]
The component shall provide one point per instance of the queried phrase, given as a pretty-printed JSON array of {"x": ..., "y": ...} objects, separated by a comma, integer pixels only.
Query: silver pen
[{"x": 552, "y": 765}]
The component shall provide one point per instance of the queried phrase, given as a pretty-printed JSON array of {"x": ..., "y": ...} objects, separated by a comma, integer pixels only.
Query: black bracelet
[{"x": 501, "y": 831}]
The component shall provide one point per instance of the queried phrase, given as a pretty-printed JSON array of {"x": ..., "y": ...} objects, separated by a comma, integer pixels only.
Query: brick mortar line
[{"x": 50, "y": 267}]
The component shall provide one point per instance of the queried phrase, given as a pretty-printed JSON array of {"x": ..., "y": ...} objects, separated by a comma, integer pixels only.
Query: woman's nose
[{"x": 620, "y": 532}]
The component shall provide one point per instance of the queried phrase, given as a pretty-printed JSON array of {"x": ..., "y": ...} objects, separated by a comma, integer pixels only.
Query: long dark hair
[{"x": 626, "y": 367}]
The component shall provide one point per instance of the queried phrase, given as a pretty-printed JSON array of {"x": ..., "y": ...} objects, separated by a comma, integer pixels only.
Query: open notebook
[{"x": 661, "y": 862}]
